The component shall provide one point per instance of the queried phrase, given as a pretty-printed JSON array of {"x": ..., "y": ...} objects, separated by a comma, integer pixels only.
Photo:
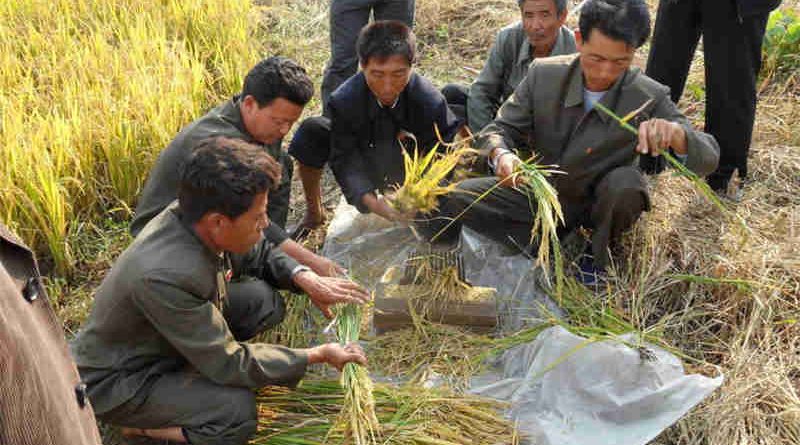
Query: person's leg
[
  {"x": 733, "y": 59},
  {"x": 620, "y": 197},
  {"x": 311, "y": 147},
  {"x": 189, "y": 405},
  {"x": 347, "y": 17},
  {"x": 504, "y": 214},
  {"x": 456, "y": 97},
  {"x": 252, "y": 306},
  {"x": 402, "y": 10},
  {"x": 675, "y": 37}
]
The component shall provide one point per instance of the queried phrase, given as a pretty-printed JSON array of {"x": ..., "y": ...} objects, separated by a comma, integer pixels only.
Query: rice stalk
[
  {"x": 357, "y": 418},
  {"x": 426, "y": 176},
  {"x": 682, "y": 170},
  {"x": 407, "y": 415}
]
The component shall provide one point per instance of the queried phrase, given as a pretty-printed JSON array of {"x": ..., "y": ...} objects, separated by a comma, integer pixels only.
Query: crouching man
[
  {"x": 158, "y": 352},
  {"x": 552, "y": 115}
]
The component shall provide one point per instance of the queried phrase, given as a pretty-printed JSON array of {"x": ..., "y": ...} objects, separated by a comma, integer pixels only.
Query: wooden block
[{"x": 476, "y": 309}]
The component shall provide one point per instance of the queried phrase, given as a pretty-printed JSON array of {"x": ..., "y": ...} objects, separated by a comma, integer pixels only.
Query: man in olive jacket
[
  {"x": 552, "y": 115},
  {"x": 272, "y": 98},
  {"x": 158, "y": 351}
]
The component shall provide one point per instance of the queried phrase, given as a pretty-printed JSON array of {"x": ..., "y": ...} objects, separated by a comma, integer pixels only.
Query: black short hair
[
  {"x": 625, "y": 20},
  {"x": 386, "y": 38},
  {"x": 561, "y": 5},
  {"x": 224, "y": 175},
  {"x": 276, "y": 77}
]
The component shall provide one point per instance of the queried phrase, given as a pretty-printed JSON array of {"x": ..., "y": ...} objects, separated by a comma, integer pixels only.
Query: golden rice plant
[
  {"x": 426, "y": 177},
  {"x": 408, "y": 415},
  {"x": 91, "y": 91},
  {"x": 357, "y": 419}
]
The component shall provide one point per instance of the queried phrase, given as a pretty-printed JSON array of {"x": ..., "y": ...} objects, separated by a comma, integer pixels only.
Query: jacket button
[
  {"x": 80, "y": 394},
  {"x": 31, "y": 290}
]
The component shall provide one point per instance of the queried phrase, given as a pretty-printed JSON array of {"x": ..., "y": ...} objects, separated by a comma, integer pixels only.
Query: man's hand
[
  {"x": 505, "y": 165},
  {"x": 326, "y": 267},
  {"x": 324, "y": 292},
  {"x": 337, "y": 355},
  {"x": 657, "y": 135},
  {"x": 381, "y": 207}
]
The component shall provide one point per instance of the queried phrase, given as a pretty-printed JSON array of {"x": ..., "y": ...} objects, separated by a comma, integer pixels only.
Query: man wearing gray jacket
[{"x": 540, "y": 33}]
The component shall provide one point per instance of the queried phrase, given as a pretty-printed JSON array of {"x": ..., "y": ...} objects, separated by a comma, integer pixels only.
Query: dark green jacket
[
  {"x": 545, "y": 115},
  {"x": 158, "y": 311},
  {"x": 161, "y": 187},
  {"x": 505, "y": 68}
]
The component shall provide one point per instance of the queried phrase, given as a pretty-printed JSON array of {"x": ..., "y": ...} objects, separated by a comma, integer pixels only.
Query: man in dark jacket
[
  {"x": 162, "y": 352},
  {"x": 552, "y": 115},
  {"x": 43, "y": 401},
  {"x": 370, "y": 115},
  {"x": 272, "y": 98},
  {"x": 732, "y": 31}
]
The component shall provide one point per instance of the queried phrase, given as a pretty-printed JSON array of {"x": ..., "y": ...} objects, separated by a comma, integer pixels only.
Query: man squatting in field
[
  {"x": 541, "y": 32},
  {"x": 370, "y": 114},
  {"x": 162, "y": 350},
  {"x": 551, "y": 115}
]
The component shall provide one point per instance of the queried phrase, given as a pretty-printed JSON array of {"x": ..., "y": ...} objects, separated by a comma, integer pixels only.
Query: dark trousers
[
  {"x": 311, "y": 144},
  {"x": 732, "y": 51},
  {"x": 347, "y": 17},
  {"x": 209, "y": 413},
  {"x": 505, "y": 214},
  {"x": 456, "y": 96}
]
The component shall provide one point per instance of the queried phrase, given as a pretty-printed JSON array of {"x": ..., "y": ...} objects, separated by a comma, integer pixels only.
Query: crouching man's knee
[{"x": 234, "y": 423}]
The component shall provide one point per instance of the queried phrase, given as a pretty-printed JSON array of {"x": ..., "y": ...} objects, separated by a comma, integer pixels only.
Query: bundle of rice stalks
[
  {"x": 543, "y": 201},
  {"x": 300, "y": 325},
  {"x": 425, "y": 178},
  {"x": 357, "y": 420},
  {"x": 409, "y": 415}
]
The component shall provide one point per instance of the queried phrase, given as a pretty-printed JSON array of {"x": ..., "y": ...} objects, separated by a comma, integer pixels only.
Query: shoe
[{"x": 589, "y": 274}]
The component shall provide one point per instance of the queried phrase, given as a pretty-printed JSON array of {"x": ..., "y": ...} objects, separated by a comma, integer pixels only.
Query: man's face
[
  {"x": 541, "y": 22},
  {"x": 387, "y": 78},
  {"x": 239, "y": 235},
  {"x": 271, "y": 123},
  {"x": 602, "y": 59}
]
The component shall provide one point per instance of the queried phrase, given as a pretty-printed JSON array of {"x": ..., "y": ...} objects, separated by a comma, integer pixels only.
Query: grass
[{"x": 91, "y": 91}]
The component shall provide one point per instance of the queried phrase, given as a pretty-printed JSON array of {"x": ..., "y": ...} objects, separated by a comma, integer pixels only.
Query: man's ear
[{"x": 215, "y": 221}]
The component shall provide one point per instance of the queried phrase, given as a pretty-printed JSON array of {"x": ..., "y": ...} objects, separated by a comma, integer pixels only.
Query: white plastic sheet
[{"x": 564, "y": 391}]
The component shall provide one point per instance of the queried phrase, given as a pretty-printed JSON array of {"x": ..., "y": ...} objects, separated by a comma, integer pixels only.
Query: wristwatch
[
  {"x": 499, "y": 153},
  {"x": 300, "y": 268}
]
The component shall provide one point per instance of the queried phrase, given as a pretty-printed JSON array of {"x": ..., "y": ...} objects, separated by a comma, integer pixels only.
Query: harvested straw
[
  {"x": 407, "y": 415},
  {"x": 357, "y": 420}
]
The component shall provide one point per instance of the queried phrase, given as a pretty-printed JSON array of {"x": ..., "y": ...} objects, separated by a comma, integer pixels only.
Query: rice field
[{"x": 91, "y": 91}]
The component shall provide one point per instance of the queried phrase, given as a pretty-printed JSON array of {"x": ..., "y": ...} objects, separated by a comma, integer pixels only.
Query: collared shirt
[
  {"x": 161, "y": 187},
  {"x": 366, "y": 154},
  {"x": 159, "y": 310},
  {"x": 545, "y": 115},
  {"x": 505, "y": 68}
]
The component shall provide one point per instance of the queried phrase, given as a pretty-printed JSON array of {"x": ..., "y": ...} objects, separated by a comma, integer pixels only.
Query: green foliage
[{"x": 782, "y": 44}]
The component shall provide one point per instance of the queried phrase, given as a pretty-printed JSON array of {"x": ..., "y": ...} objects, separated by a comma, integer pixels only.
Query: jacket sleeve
[
  {"x": 268, "y": 262},
  {"x": 485, "y": 92},
  {"x": 347, "y": 164},
  {"x": 514, "y": 121},
  {"x": 703, "y": 150},
  {"x": 198, "y": 331}
]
